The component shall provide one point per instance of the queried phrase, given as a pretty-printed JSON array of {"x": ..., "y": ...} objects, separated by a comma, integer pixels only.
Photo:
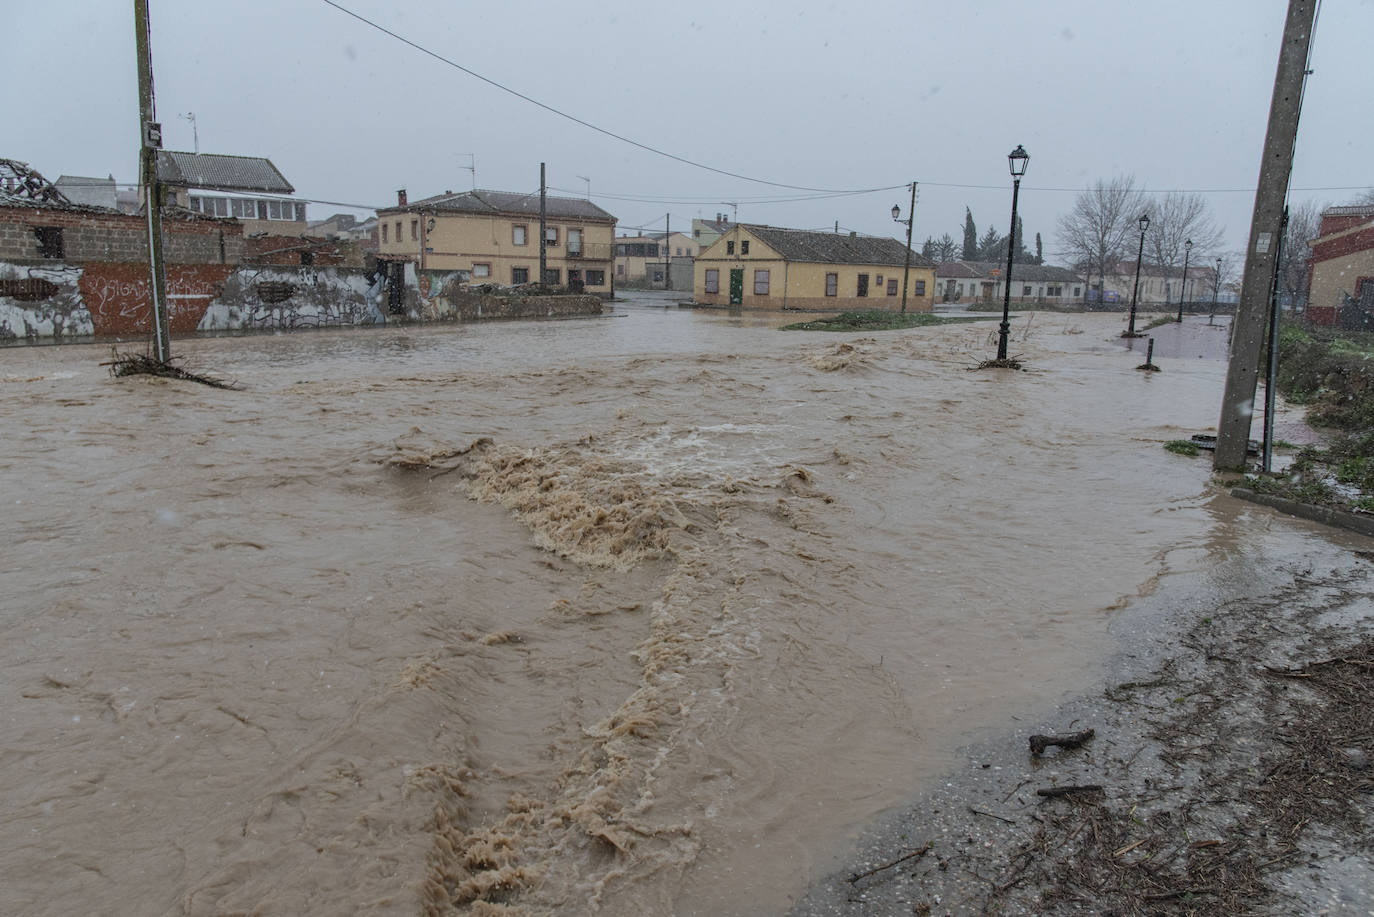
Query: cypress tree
[{"x": 970, "y": 237}]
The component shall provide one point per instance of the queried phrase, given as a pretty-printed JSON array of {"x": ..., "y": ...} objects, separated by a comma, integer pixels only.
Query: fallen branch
[
  {"x": 990, "y": 815},
  {"x": 1038, "y": 744},
  {"x": 135, "y": 364},
  {"x": 915, "y": 854},
  {"x": 1086, "y": 789}
]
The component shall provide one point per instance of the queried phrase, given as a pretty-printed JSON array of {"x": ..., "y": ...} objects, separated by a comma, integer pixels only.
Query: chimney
[
  {"x": 401, "y": 198},
  {"x": 853, "y": 234},
  {"x": 448, "y": 191}
]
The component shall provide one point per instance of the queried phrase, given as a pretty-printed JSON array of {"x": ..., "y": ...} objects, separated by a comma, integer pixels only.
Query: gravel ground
[{"x": 1228, "y": 772}]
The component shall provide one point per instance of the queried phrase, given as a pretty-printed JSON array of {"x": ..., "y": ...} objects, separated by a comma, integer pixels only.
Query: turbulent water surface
[{"x": 632, "y": 615}]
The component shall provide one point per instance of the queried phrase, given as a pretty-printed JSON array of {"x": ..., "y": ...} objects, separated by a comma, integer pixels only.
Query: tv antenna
[
  {"x": 589, "y": 185},
  {"x": 471, "y": 167}
]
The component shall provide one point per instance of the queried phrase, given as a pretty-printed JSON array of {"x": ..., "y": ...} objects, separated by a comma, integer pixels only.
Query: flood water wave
[{"x": 450, "y": 620}]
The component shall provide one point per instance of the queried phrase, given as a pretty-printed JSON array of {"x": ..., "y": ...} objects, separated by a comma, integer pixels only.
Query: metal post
[
  {"x": 1183, "y": 292},
  {"x": 667, "y": 251},
  {"x": 1247, "y": 328},
  {"x": 151, "y": 135},
  {"x": 1130, "y": 327},
  {"x": 1005, "y": 329},
  {"x": 543, "y": 232},
  {"x": 1216, "y": 287},
  {"x": 906, "y": 269}
]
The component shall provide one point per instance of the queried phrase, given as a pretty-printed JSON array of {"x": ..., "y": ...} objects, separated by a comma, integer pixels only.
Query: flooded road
[{"x": 633, "y": 615}]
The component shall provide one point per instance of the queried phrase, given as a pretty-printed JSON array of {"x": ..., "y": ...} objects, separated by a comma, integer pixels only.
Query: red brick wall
[
  {"x": 116, "y": 294},
  {"x": 119, "y": 237}
]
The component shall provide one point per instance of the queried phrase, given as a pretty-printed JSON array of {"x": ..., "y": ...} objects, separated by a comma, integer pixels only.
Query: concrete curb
[{"x": 1323, "y": 514}]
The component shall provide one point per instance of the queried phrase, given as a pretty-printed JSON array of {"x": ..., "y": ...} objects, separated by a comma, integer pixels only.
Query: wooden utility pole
[
  {"x": 150, "y": 133},
  {"x": 1247, "y": 330},
  {"x": 543, "y": 233}
]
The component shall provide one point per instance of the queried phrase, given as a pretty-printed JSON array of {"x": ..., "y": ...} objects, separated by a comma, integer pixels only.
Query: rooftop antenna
[
  {"x": 195, "y": 134},
  {"x": 589, "y": 185},
  {"x": 471, "y": 167},
  {"x": 734, "y": 206}
]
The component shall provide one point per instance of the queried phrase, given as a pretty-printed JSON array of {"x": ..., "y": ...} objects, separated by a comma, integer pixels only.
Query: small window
[
  {"x": 1077, "y": 291},
  {"x": 863, "y": 285},
  {"x": 307, "y": 259},
  {"x": 1026, "y": 290},
  {"x": 300, "y": 213},
  {"x": 879, "y": 281},
  {"x": 730, "y": 247},
  {"x": 551, "y": 236},
  {"x": 891, "y": 287},
  {"x": 398, "y": 230},
  {"x": 832, "y": 284},
  {"x": 760, "y": 283},
  {"x": 519, "y": 275},
  {"x": 244, "y": 210},
  {"x": 712, "y": 281},
  {"x": 553, "y": 276},
  {"x": 574, "y": 241},
  {"x": 481, "y": 270},
  {"x": 384, "y": 232},
  {"x": 658, "y": 275},
  {"x": 919, "y": 288},
  {"x": 596, "y": 278},
  {"x": 49, "y": 241},
  {"x": 414, "y": 230},
  {"x": 744, "y": 247},
  {"x": 519, "y": 235},
  {"x": 679, "y": 252},
  {"x": 620, "y": 269}
]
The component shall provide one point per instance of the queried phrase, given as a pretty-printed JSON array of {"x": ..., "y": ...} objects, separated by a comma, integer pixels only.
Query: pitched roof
[
  {"x": 221, "y": 173},
  {"x": 506, "y": 203},
  {"x": 834, "y": 248}
]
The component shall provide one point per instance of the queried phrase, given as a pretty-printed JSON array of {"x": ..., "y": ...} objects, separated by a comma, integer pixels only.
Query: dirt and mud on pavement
[{"x": 1223, "y": 768}]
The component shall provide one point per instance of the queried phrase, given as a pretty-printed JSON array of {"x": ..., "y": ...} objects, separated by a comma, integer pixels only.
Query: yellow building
[
  {"x": 493, "y": 236},
  {"x": 766, "y": 267}
]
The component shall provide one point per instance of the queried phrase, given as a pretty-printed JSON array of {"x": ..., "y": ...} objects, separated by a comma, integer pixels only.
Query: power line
[{"x": 587, "y": 124}]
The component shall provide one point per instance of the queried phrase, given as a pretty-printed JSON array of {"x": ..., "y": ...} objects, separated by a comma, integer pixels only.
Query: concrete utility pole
[
  {"x": 1247, "y": 330},
  {"x": 543, "y": 233},
  {"x": 151, "y": 133},
  {"x": 667, "y": 251},
  {"x": 910, "y": 222}
]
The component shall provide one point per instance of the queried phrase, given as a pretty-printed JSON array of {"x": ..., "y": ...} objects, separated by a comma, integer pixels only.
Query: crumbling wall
[{"x": 280, "y": 297}]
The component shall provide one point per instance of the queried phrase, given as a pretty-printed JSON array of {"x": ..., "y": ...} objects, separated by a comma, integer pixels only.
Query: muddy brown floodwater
[{"x": 634, "y": 615}]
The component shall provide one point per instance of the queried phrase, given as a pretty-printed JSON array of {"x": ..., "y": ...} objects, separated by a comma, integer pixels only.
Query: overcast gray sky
[{"x": 832, "y": 95}]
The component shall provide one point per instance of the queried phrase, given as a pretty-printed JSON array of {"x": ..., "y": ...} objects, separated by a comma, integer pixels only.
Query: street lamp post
[
  {"x": 911, "y": 218},
  {"x": 1135, "y": 291},
  {"x": 1182, "y": 293},
  {"x": 1017, "y": 160}
]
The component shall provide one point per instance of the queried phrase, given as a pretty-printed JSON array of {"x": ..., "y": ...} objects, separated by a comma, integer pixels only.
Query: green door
[{"x": 736, "y": 286}]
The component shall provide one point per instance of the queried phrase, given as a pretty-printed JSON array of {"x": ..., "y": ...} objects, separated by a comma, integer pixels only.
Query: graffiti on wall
[
  {"x": 42, "y": 302},
  {"x": 294, "y": 297},
  {"x": 117, "y": 295}
]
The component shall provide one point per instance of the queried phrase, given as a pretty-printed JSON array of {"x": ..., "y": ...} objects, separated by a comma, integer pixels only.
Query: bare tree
[
  {"x": 1175, "y": 219},
  {"x": 1093, "y": 235},
  {"x": 1295, "y": 260}
]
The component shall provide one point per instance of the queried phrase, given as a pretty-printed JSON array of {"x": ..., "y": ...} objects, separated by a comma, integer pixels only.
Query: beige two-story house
[{"x": 493, "y": 236}]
